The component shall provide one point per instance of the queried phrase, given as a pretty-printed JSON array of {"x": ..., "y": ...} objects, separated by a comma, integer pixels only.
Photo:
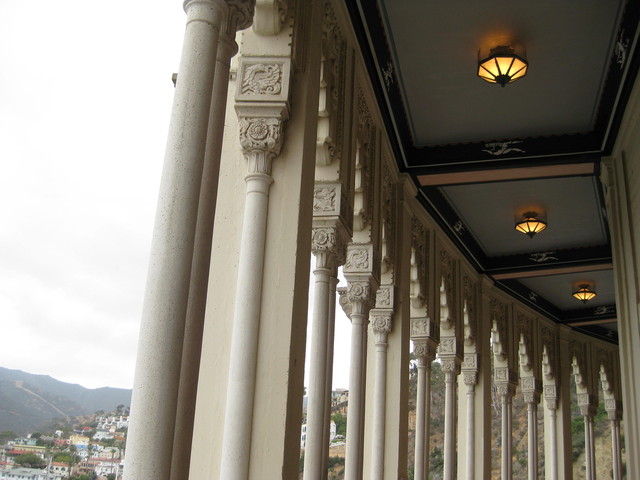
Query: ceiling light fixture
[
  {"x": 503, "y": 65},
  {"x": 530, "y": 224},
  {"x": 584, "y": 292}
]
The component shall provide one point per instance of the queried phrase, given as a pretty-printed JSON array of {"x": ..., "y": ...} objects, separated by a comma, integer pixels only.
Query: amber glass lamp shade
[
  {"x": 530, "y": 224},
  {"x": 584, "y": 293},
  {"x": 502, "y": 66}
]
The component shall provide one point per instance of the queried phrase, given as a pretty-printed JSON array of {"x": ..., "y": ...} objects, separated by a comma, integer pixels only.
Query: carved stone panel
[
  {"x": 263, "y": 79},
  {"x": 359, "y": 258},
  {"x": 326, "y": 199}
]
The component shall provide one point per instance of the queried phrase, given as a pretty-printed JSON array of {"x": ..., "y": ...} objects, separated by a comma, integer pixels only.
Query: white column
[
  {"x": 532, "y": 447},
  {"x": 260, "y": 137},
  {"x": 193, "y": 332},
  {"x": 329, "y": 386},
  {"x": 381, "y": 326},
  {"x": 616, "y": 454},
  {"x": 588, "y": 408},
  {"x": 551, "y": 451},
  {"x": 470, "y": 375},
  {"x": 451, "y": 369},
  {"x": 151, "y": 433},
  {"x": 324, "y": 247},
  {"x": 425, "y": 352},
  {"x": 589, "y": 447},
  {"x": 506, "y": 391},
  {"x": 359, "y": 294}
]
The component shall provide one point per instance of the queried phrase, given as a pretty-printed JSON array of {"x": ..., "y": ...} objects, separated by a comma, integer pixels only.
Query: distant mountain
[{"x": 29, "y": 402}]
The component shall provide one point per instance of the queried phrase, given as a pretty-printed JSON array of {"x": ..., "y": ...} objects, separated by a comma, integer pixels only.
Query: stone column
[
  {"x": 506, "y": 383},
  {"x": 328, "y": 248},
  {"x": 470, "y": 375},
  {"x": 551, "y": 432},
  {"x": 614, "y": 414},
  {"x": 531, "y": 399},
  {"x": 329, "y": 368},
  {"x": 261, "y": 126},
  {"x": 424, "y": 350},
  {"x": 157, "y": 378},
  {"x": 451, "y": 369},
  {"x": 193, "y": 333},
  {"x": 588, "y": 410},
  {"x": 381, "y": 326}
]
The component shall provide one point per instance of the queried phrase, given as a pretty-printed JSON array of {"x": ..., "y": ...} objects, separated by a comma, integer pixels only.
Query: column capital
[
  {"x": 588, "y": 404},
  {"x": 531, "y": 389},
  {"x": 613, "y": 408},
  {"x": 425, "y": 328},
  {"x": 470, "y": 368},
  {"x": 450, "y": 364},
  {"x": 424, "y": 350},
  {"x": 328, "y": 245}
]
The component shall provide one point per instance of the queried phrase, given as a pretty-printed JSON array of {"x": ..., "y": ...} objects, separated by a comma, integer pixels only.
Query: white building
[{"x": 359, "y": 133}]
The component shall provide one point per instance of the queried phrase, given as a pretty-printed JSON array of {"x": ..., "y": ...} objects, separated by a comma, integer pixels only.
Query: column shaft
[
  {"x": 355, "y": 440},
  {"x": 616, "y": 459},
  {"x": 470, "y": 466},
  {"x": 450, "y": 426},
  {"x": 156, "y": 384},
  {"x": 589, "y": 448},
  {"x": 244, "y": 340},
  {"x": 192, "y": 345},
  {"x": 553, "y": 450},
  {"x": 423, "y": 412},
  {"x": 329, "y": 368},
  {"x": 316, "y": 428},
  {"x": 379, "y": 407},
  {"x": 505, "y": 401},
  {"x": 532, "y": 447}
]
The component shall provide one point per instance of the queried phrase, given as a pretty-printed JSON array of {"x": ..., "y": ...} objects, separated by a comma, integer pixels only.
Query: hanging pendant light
[
  {"x": 530, "y": 224},
  {"x": 584, "y": 292},
  {"x": 502, "y": 66}
]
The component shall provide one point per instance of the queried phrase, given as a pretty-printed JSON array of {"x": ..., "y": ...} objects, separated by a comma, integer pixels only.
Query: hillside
[{"x": 29, "y": 402}]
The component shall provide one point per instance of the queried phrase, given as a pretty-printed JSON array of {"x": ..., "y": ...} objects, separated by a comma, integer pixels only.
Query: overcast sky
[{"x": 85, "y": 98}]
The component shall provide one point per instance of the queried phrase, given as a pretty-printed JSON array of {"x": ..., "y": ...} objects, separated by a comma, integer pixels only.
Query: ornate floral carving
[
  {"x": 359, "y": 292},
  {"x": 383, "y": 297},
  {"x": 470, "y": 377},
  {"x": 323, "y": 238},
  {"x": 501, "y": 374},
  {"x": 380, "y": 323},
  {"x": 261, "y": 140},
  {"x": 528, "y": 383},
  {"x": 423, "y": 349},
  {"x": 450, "y": 365},
  {"x": 262, "y": 79}
]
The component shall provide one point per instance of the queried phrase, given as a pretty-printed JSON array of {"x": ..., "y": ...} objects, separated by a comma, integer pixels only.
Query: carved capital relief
[
  {"x": 262, "y": 109},
  {"x": 270, "y": 16},
  {"x": 450, "y": 364},
  {"x": 241, "y": 12},
  {"x": 360, "y": 296},
  {"x": 505, "y": 375},
  {"x": 470, "y": 378},
  {"x": 424, "y": 350},
  {"x": 506, "y": 390},
  {"x": 613, "y": 409},
  {"x": 551, "y": 396},
  {"x": 380, "y": 322},
  {"x": 531, "y": 397}
]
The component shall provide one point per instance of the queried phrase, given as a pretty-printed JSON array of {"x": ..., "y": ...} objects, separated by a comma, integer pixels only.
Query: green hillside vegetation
[{"x": 31, "y": 402}]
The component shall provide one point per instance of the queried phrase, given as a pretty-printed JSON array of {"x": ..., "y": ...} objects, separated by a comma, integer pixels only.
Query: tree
[
  {"x": 30, "y": 460},
  {"x": 111, "y": 476},
  {"x": 341, "y": 424}
]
